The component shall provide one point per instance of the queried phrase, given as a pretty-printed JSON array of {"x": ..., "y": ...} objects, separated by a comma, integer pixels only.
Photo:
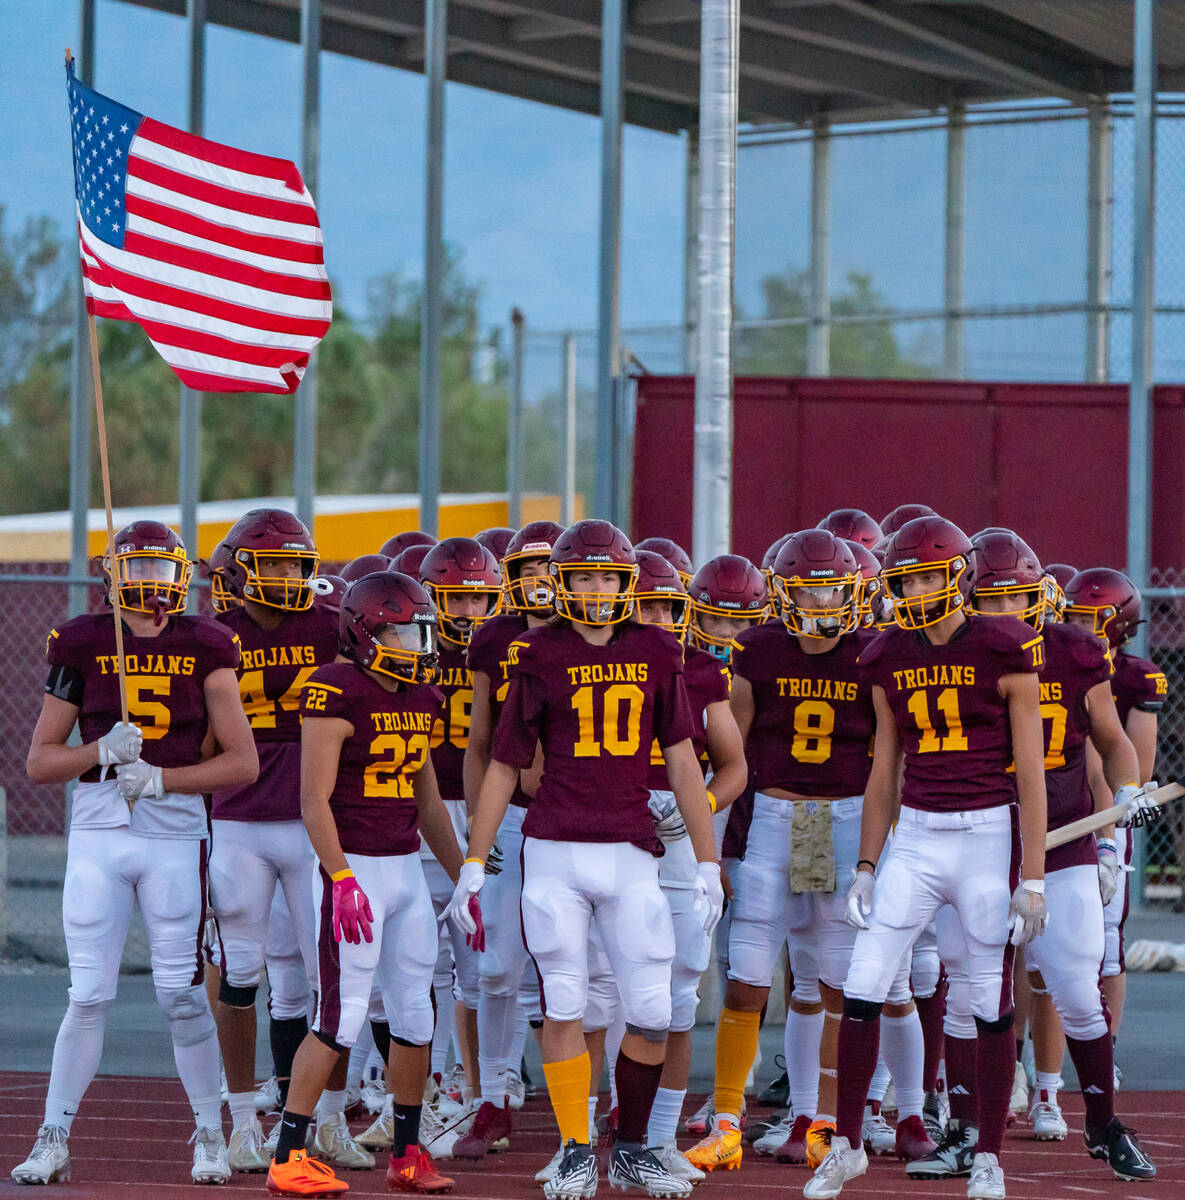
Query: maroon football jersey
[
  {"x": 489, "y": 653},
  {"x": 707, "y": 681},
  {"x": 1075, "y": 661},
  {"x": 813, "y": 721},
  {"x": 165, "y": 676},
  {"x": 276, "y": 664},
  {"x": 596, "y": 710},
  {"x": 1138, "y": 683},
  {"x": 372, "y": 802},
  {"x": 450, "y": 735},
  {"x": 952, "y": 719}
]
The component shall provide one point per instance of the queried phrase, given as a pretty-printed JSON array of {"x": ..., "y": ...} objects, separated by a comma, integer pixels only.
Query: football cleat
[
  {"x": 951, "y": 1158},
  {"x": 1119, "y": 1146},
  {"x": 516, "y": 1090},
  {"x": 1018, "y": 1104},
  {"x": 210, "y": 1164},
  {"x": 777, "y": 1093},
  {"x": 889, "y": 1100},
  {"x": 374, "y": 1095},
  {"x": 643, "y": 1171},
  {"x": 381, "y": 1133},
  {"x": 245, "y": 1151},
  {"x": 545, "y": 1173},
  {"x": 818, "y": 1141},
  {"x": 758, "y": 1131},
  {"x": 490, "y": 1133},
  {"x": 843, "y": 1163},
  {"x": 676, "y": 1162},
  {"x": 575, "y": 1176},
  {"x": 878, "y": 1136},
  {"x": 303, "y": 1176},
  {"x": 334, "y": 1145},
  {"x": 1046, "y": 1118},
  {"x": 935, "y": 1114},
  {"x": 987, "y": 1179},
  {"x": 267, "y": 1096},
  {"x": 912, "y": 1139},
  {"x": 699, "y": 1121},
  {"x": 439, "y": 1134},
  {"x": 793, "y": 1149},
  {"x": 721, "y": 1148},
  {"x": 415, "y": 1172},
  {"x": 49, "y": 1160}
]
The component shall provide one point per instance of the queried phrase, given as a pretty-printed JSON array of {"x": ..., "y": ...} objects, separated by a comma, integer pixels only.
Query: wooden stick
[
  {"x": 113, "y": 569},
  {"x": 1085, "y": 825}
]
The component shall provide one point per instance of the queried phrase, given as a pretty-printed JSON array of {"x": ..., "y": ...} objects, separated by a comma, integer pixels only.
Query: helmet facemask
[
  {"x": 720, "y": 645},
  {"x": 599, "y": 608},
  {"x": 289, "y": 593},
  {"x": 530, "y": 595},
  {"x": 927, "y": 608},
  {"x": 831, "y": 608},
  {"x": 457, "y": 627},
  {"x": 153, "y": 580},
  {"x": 405, "y": 652},
  {"x": 680, "y": 609},
  {"x": 1041, "y": 600},
  {"x": 1096, "y": 619}
]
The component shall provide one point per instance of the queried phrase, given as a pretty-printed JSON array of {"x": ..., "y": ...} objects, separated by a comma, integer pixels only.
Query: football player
[
  {"x": 672, "y": 552},
  {"x": 367, "y": 791},
  {"x": 728, "y": 595},
  {"x": 138, "y": 837},
  {"x": 895, "y": 518},
  {"x": 365, "y": 564},
  {"x": 495, "y": 540},
  {"x": 853, "y": 525},
  {"x": 393, "y": 547},
  {"x": 957, "y": 703},
  {"x": 592, "y": 692}
]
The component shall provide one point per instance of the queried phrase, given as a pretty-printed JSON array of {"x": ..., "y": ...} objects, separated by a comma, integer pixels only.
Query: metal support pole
[
  {"x": 609, "y": 263},
  {"x": 568, "y": 434},
  {"x": 818, "y": 334},
  {"x": 718, "y": 90},
  {"x": 304, "y": 438},
  {"x": 514, "y": 425},
  {"x": 690, "y": 250},
  {"x": 432, "y": 318},
  {"x": 189, "y": 441},
  {"x": 80, "y": 375},
  {"x": 1100, "y": 201},
  {"x": 953, "y": 357}
]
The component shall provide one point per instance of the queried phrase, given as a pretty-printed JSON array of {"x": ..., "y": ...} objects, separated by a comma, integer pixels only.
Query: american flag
[{"x": 215, "y": 252}]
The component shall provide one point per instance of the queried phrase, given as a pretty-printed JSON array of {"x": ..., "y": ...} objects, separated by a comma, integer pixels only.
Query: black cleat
[
  {"x": 1118, "y": 1145},
  {"x": 641, "y": 1171},
  {"x": 777, "y": 1093},
  {"x": 953, "y": 1156},
  {"x": 576, "y": 1176}
]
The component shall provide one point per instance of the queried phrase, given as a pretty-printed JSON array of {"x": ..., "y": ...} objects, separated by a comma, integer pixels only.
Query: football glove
[
  {"x": 121, "y": 745},
  {"x": 495, "y": 860},
  {"x": 860, "y": 898},
  {"x": 352, "y": 917},
  {"x": 458, "y": 910},
  {"x": 1028, "y": 911},
  {"x": 139, "y": 781},
  {"x": 667, "y": 817},
  {"x": 709, "y": 895},
  {"x": 1109, "y": 870},
  {"x": 1140, "y": 810}
]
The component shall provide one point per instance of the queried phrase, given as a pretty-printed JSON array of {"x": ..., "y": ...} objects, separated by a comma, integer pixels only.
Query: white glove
[
  {"x": 860, "y": 898},
  {"x": 709, "y": 895},
  {"x": 1109, "y": 870},
  {"x": 667, "y": 817},
  {"x": 469, "y": 883},
  {"x": 139, "y": 781},
  {"x": 1028, "y": 911},
  {"x": 121, "y": 745},
  {"x": 1140, "y": 810}
]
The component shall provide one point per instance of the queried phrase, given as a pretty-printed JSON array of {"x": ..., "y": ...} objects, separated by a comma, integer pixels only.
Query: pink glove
[
  {"x": 351, "y": 910},
  {"x": 476, "y": 939}
]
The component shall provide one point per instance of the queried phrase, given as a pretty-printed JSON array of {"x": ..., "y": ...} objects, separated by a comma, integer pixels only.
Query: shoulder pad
[
  {"x": 1088, "y": 652},
  {"x": 1006, "y": 634},
  {"x": 877, "y": 646},
  {"x": 212, "y": 632}
]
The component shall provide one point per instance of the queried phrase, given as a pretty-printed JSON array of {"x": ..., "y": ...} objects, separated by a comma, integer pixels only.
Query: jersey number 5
[
  {"x": 151, "y": 715},
  {"x": 586, "y": 700}
]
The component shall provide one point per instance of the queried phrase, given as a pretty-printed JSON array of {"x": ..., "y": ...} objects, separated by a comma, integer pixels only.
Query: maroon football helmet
[
  {"x": 767, "y": 569},
  {"x": 373, "y": 604},
  {"x": 151, "y": 570},
  {"x": 1002, "y": 564},
  {"x": 277, "y": 535},
  {"x": 453, "y": 571},
  {"x": 659, "y": 580},
  {"x": 328, "y": 591},
  {"x": 593, "y": 546},
  {"x": 816, "y": 566},
  {"x": 409, "y": 560},
  {"x": 1106, "y": 602},
  {"x": 672, "y": 552},
  {"x": 728, "y": 587},
  {"x": 921, "y": 546},
  {"x": 532, "y": 543},
  {"x": 870, "y": 607},
  {"x": 394, "y": 546},
  {"x": 853, "y": 525},
  {"x": 495, "y": 539},
  {"x": 221, "y": 597},
  {"x": 902, "y": 514},
  {"x": 365, "y": 564}
]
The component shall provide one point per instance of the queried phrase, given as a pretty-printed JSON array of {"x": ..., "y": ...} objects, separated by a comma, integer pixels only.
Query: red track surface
[{"x": 130, "y": 1140}]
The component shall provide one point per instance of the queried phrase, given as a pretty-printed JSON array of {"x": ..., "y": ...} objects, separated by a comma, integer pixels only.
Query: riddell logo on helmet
[
  {"x": 532, "y": 547},
  {"x": 598, "y": 558},
  {"x": 825, "y": 574},
  {"x": 905, "y": 562},
  {"x": 292, "y": 546},
  {"x": 1005, "y": 583},
  {"x": 472, "y": 582},
  {"x": 162, "y": 549}
]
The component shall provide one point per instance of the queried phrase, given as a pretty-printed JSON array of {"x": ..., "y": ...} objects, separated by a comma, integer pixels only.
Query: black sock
[
  {"x": 1020, "y": 1048},
  {"x": 381, "y": 1032},
  {"x": 285, "y": 1037},
  {"x": 407, "y": 1128},
  {"x": 294, "y": 1128}
]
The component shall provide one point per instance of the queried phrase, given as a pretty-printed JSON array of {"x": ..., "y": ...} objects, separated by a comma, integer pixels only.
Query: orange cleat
[
  {"x": 415, "y": 1172},
  {"x": 303, "y": 1176}
]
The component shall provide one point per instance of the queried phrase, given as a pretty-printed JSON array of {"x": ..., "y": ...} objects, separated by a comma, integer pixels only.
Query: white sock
[
  {"x": 446, "y": 1019},
  {"x": 592, "y": 1112},
  {"x": 331, "y": 1108},
  {"x": 801, "y": 1046},
  {"x": 664, "y": 1115},
  {"x": 242, "y": 1109},
  {"x": 494, "y": 1033},
  {"x": 1050, "y": 1082},
  {"x": 880, "y": 1081},
  {"x": 360, "y": 1052},
  {"x": 904, "y": 1049},
  {"x": 199, "y": 1068},
  {"x": 518, "y": 1039},
  {"x": 76, "y": 1054}
]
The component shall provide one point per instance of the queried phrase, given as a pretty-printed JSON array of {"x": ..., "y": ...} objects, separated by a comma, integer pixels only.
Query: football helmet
[
  {"x": 221, "y": 597},
  {"x": 659, "y": 580},
  {"x": 535, "y": 594},
  {"x": 365, "y": 564},
  {"x": 371, "y": 606},
  {"x": 1105, "y": 601},
  {"x": 593, "y": 546},
  {"x": 151, "y": 571},
  {"x": 455, "y": 568},
  {"x": 898, "y": 516},
  {"x": 921, "y": 546},
  {"x": 853, "y": 525},
  {"x": 495, "y": 540},
  {"x": 1002, "y": 564},
  {"x": 408, "y": 560},
  {"x": 394, "y": 546},
  {"x": 328, "y": 591},
  {"x": 818, "y": 562},
  {"x": 1061, "y": 574},
  {"x": 672, "y": 552},
  {"x": 870, "y": 609},
  {"x": 271, "y": 533},
  {"x": 728, "y": 586}
]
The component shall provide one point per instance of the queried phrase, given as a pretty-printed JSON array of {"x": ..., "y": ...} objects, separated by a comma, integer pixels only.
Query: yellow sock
[
  {"x": 567, "y": 1085},
  {"x": 736, "y": 1048}
]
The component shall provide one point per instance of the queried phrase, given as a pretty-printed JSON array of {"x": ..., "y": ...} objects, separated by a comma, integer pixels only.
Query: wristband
[
  {"x": 481, "y": 861},
  {"x": 866, "y": 862},
  {"x": 1107, "y": 844},
  {"x": 1036, "y": 886},
  {"x": 711, "y": 800},
  {"x": 338, "y": 876}
]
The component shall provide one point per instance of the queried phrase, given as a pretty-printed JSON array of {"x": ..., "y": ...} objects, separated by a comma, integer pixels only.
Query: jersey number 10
[{"x": 587, "y": 700}]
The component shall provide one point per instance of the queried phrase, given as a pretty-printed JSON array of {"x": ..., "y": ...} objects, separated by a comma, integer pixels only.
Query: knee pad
[
  {"x": 684, "y": 1002},
  {"x": 414, "y": 1025},
  {"x": 188, "y": 1011},
  {"x": 861, "y": 1010},
  {"x": 236, "y": 997},
  {"x": 999, "y": 1025},
  {"x": 1081, "y": 1011},
  {"x": 958, "y": 1024},
  {"x": 1043, "y": 990},
  {"x": 87, "y": 1014},
  {"x": 647, "y": 1035}
]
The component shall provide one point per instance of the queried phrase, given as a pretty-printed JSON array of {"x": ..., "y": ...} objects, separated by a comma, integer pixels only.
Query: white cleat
[
  {"x": 333, "y": 1145},
  {"x": 1046, "y": 1118},
  {"x": 675, "y": 1162},
  {"x": 774, "y": 1138},
  {"x": 381, "y": 1134},
  {"x": 878, "y": 1135},
  {"x": 516, "y": 1090},
  {"x": 267, "y": 1096},
  {"x": 843, "y": 1163},
  {"x": 49, "y": 1161},
  {"x": 246, "y": 1150},
  {"x": 374, "y": 1095},
  {"x": 210, "y": 1164},
  {"x": 699, "y": 1121},
  {"x": 889, "y": 1103},
  {"x": 440, "y": 1133},
  {"x": 1018, "y": 1105},
  {"x": 544, "y": 1174},
  {"x": 987, "y": 1179}
]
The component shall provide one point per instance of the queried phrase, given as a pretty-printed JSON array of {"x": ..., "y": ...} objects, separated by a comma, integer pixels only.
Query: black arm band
[
  {"x": 868, "y": 862},
  {"x": 66, "y": 683}
]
